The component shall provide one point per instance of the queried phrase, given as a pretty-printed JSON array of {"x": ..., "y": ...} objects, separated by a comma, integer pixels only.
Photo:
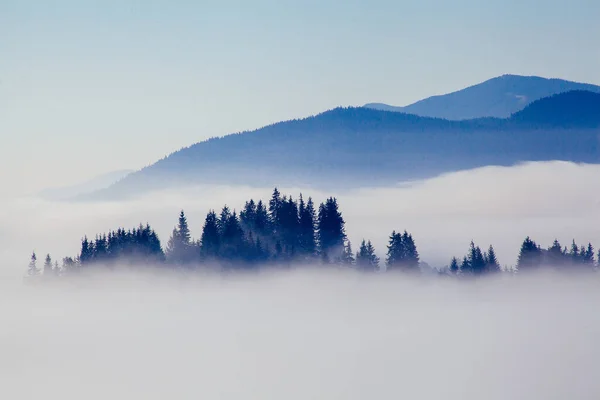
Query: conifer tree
[
  {"x": 454, "y": 268},
  {"x": 348, "y": 256},
  {"x": 307, "y": 240},
  {"x": 402, "y": 253},
  {"x": 331, "y": 230},
  {"x": 395, "y": 253},
  {"x": 529, "y": 256},
  {"x": 274, "y": 207},
  {"x": 180, "y": 249},
  {"x": 210, "y": 241},
  {"x": 261, "y": 220},
  {"x": 555, "y": 256},
  {"x": 574, "y": 252},
  {"x": 492, "y": 264},
  {"x": 477, "y": 263},
  {"x": 465, "y": 266},
  {"x": 588, "y": 256},
  {"x": 48, "y": 265},
  {"x": 411, "y": 253},
  {"x": 366, "y": 259},
  {"x": 33, "y": 270}
]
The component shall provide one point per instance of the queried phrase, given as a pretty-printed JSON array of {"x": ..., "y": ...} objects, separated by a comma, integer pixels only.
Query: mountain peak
[{"x": 498, "y": 97}]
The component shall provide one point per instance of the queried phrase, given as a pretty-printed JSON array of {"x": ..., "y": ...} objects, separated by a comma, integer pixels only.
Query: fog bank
[
  {"x": 299, "y": 335},
  {"x": 492, "y": 205}
]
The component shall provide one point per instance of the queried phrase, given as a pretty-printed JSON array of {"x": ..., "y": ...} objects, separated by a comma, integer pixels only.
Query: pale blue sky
[{"x": 88, "y": 87}]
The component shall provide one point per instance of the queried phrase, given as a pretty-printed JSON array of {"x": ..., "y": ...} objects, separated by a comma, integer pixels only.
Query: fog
[
  {"x": 492, "y": 205},
  {"x": 310, "y": 333},
  {"x": 299, "y": 335}
]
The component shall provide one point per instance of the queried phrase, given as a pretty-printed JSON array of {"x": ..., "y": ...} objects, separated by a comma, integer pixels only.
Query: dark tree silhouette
[
  {"x": 210, "y": 241},
  {"x": 530, "y": 256},
  {"x": 366, "y": 259},
  {"x": 331, "y": 231},
  {"x": 454, "y": 268},
  {"x": 402, "y": 253}
]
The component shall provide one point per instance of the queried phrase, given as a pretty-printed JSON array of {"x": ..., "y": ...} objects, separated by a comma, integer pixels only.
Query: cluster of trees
[
  {"x": 532, "y": 256},
  {"x": 286, "y": 231},
  {"x": 279, "y": 232},
  {"x": 475, "y": 262}
]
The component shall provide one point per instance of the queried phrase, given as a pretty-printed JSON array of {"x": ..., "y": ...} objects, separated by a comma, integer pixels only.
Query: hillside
[
  {"x": 499, "y": 97},
  {"x": 361, "y": 146}
]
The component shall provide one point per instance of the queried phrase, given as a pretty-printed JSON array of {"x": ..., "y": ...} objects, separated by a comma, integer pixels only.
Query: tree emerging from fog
[{"x": 285, "y": 232}]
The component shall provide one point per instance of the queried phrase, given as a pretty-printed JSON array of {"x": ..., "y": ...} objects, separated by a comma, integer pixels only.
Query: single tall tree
[
  {"x": 48, "y": 266},
  {"x": 33, "y": 270}
]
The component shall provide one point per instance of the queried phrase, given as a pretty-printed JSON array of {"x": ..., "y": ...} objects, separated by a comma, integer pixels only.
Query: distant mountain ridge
[
  {"x": 362, "y": 146},
  {"x": 498, "y": 97}
]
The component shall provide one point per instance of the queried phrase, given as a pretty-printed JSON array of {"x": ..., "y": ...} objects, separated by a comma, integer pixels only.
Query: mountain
[
  {"x": 498, "y": 97},
  {"x": 352, "y": 147},
  {"x": 90, "y": 186}
]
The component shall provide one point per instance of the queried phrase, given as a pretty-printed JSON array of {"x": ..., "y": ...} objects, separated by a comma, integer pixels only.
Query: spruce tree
[
  {"x": 33, "y": 270},
  {"x": 347, "y": 258},
  {"x": 411, "y": 253},
  {"x": 48, "y": 266},
  {"x": 555, "y": 256},
  {"x": 395, "y": 251},
  {"x": 465, "y": 266},
  {"x": 454, "y": 268},
  {"x": 331, "y": 230},
  {"x": 366, "y": 259},
  {"x": 274, "y": 207},
  {"x": 529, "y": 256},
  {"x": 476, "y": 260},
  {"x": 588, "y": 256},
  {"x": 492, "y": 264},
  {"x": 180, "y": 248},
  {"x": 210, "y": 241},
  {"x": 261, "y": 219}
]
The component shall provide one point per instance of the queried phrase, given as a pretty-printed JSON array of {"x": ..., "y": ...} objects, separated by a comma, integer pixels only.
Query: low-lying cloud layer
[
  {"x": 493, "y": 205},
  {"x": 307, "y": 334},
  {"x": 299, "y": 335}
]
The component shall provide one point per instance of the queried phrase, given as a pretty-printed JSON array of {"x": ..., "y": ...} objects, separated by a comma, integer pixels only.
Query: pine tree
[
  {"x": 395, "y": 253},
  {"x": 555, "y": 256},
  {"x": 454, "y": 268},
  {"x": 588, "y": 256},
  {"x": 87, "y": 251},
  {"x": 574, "y": 253},
  {"x": 411, "y": 253},
  {"x": 331, "y": 230},
  {"x": 402, "y": 253},
  {"x": 180, "y": 249},
  {"x": 465, "y": 266},
  {"x": 366, "y": 259},
  {"x": 529, "y": 256},
  {"x": 33, "y": 270},
  {"x": 274, "y": 207},
  {"x": 210, "y": 241},
  {"x": 477, "y": 263},
  {"x": 492, "y": 264},
  {"x": 306, "y": 229},
  {"x": 261, "y": 219},
  {"x": 347, "y": 258},
  {"x": 48, "y": 265}
]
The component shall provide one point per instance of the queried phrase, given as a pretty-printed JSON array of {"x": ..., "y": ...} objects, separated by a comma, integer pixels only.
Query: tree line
[{"x": 285, "y": 231}]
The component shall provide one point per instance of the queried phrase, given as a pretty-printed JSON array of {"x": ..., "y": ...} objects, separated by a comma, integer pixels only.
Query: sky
[{"x": 88, "y": 87}]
